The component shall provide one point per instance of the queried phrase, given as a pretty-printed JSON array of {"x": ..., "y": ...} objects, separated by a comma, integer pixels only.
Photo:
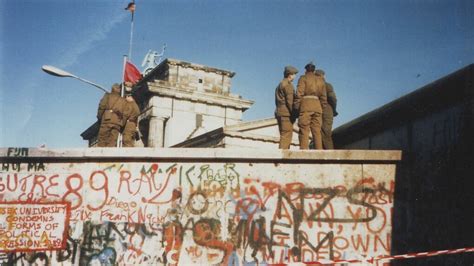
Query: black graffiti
[
  {"x": 30, "y": 257},
  {"x": 30, "y": 166},
  {"x": 69, "y": 253},
  {"x": 329, "y": 238},
  {"x": 17, "y": 152},
  {"x": 356, "y": 195},
  {"x": 10, "y": 167},
  {"x": 246, "y": 232},
  {"x": 141, "y": 229},
  {"x": 250, "y": 235},
  {"x": 96, "y": 237}
]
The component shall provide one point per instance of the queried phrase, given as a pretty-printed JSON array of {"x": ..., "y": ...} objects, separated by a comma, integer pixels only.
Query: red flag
[{"x": 132, "y": 73}]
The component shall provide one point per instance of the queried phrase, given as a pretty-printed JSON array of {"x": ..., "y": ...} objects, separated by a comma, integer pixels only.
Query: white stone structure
[
  {"x": 180, "y": 100},
  {"x": 258, "y": 134}
]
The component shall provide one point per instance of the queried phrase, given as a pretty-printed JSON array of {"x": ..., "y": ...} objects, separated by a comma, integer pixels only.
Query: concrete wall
[
  {"x": 194, "y": 206},
  {"x": 434, "y": 127},
  {"x": 231, "y": 142},
  {"x": 251, "y": 141}
]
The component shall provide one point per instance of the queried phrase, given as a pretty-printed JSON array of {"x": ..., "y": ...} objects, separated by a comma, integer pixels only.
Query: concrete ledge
[{"x": 197, "y": 154}]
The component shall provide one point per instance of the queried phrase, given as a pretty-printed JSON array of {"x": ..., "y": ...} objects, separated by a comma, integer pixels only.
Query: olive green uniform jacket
[
  {"x": 284, "y": 94},
  {"x": 131, "y": 114},
  {"x": 309, "y": 88},
  {"x": 110, "y": 115},
  {"x": 310, "y": 99},
  {"x": 328, "y": 117}
]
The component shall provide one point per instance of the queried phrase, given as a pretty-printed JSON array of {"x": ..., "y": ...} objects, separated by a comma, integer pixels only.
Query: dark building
[{"x": 434, "y": 127}]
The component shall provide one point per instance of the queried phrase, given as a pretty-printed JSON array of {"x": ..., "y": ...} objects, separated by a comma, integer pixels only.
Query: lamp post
[{"x": 63, "y": 74}]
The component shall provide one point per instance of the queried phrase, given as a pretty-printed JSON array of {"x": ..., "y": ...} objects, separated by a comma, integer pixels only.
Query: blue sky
[{"x": 372, "y": 51}]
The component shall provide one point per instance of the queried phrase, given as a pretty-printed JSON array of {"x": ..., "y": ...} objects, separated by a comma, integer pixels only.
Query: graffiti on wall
[
  {"x": 28, "y": 227},
  {"x": 191, "y": 213},
  {"x": 30, "y": 165}
]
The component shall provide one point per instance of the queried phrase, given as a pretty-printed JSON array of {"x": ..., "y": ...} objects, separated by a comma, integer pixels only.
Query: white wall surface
[{"x": 182, "y": 206}]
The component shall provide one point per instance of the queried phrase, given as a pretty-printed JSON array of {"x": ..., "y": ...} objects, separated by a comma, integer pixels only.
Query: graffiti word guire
[{"x": 149, "y": 185}]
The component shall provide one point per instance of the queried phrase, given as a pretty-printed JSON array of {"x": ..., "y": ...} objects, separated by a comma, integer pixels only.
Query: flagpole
[
  {"x": 130, "y": 7},
  {"x": 131, "y": 38},
  {"x": 122, "y": 92}
]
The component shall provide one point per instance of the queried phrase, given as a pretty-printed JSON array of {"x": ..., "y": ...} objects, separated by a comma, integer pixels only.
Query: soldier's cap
[
  {"x": 309, "y": 65},
  {"x": 319, "y": 72},
  {"x": 290, "y": 70}
]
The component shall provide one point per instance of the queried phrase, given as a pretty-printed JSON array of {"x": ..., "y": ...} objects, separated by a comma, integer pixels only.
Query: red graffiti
[
  {"x": 73, "y": 191},
  {"x": 103, "y": 189}
]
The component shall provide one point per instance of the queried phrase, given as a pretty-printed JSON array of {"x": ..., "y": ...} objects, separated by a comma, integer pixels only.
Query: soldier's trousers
[
  {"x": 286, "y": 131},
  {"x": 128, "y": 139},
  {"x": 310, "y": 121},
  {"x": 326, "y": 129},
  {"x": 108, "y": 135}
]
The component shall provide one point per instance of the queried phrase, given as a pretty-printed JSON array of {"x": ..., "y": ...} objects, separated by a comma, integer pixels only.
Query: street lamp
[{"x": 63, "y": 74}]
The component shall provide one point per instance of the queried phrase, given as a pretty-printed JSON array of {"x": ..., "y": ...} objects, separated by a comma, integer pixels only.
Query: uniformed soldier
[
  {"x": 284, "y": 95},
  {"x": 329, "y": 112},
  {"x": 310, "y": 99},
  {"x": 110, "y": 114},
  {"x": 131, "y": 115}
]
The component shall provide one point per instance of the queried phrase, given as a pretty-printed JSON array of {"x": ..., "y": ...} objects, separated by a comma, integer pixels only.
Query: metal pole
[
  {"x": 122, "y": 94},
  {"x": 122, "y": 91},
  {"x": 91, "y": 83},
  {"x": 131, "y": 38}
]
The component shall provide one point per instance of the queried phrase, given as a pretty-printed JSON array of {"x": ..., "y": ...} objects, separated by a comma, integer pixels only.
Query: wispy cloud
[
  {"x": 86, "y": 40},
  {"x": 89, "y": 39}
]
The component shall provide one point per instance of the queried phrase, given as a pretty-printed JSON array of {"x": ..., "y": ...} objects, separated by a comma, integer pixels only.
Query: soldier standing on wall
[
  {"x": 110, "y": 115},
  {"x": 329, "y": 112},
  {"x": 309, "y": 102},
  {"x": 284, "y": 94},
  {"x": 132, "y": 112}
]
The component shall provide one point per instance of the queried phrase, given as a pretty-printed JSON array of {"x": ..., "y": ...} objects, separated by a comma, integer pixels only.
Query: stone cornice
[
  {"x": 163, "y": 88},
  {"x": 175, "y": 62}
]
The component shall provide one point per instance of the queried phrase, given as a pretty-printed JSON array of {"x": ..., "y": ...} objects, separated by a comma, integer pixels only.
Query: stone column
[{"x": 156, "y": 130}]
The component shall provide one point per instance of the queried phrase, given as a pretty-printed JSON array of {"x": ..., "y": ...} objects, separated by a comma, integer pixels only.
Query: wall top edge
[{"x": 198, "y": 154}]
